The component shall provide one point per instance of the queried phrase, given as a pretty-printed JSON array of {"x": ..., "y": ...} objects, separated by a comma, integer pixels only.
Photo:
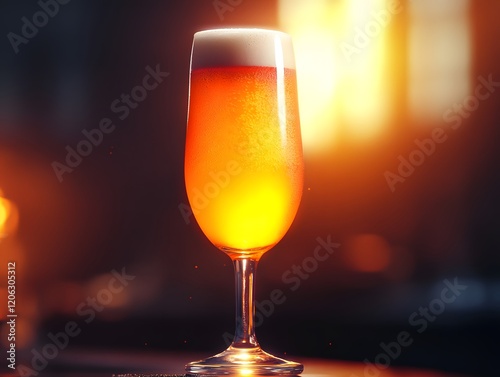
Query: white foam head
[{"x": 242, "y": 47}]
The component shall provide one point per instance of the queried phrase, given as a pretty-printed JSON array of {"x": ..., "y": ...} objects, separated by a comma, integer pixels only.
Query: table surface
[{"x": 97, "y": 364}]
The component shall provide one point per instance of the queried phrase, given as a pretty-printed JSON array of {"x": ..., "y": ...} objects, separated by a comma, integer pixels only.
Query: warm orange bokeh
[
  {"x": 8, "y": 217},
  {"x": 343, "y": 89},
  {"x": 368, "y": 253},
  {"x": 243, "y": 166},
  {"x": 349, "y": 56}
]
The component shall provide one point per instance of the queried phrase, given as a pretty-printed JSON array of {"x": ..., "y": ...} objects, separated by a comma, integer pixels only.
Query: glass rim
[{"x": 242, "y": 30}]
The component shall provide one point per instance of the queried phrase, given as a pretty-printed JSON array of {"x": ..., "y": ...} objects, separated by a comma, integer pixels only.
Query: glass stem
[{"x": 244, "y": 336}]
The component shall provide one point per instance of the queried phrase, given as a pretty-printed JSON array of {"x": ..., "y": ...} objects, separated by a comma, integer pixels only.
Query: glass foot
[{"x": 244, "y": 362}]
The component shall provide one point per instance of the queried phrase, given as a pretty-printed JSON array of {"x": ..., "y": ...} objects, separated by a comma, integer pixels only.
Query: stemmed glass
[{"x": 243, "y": 168}]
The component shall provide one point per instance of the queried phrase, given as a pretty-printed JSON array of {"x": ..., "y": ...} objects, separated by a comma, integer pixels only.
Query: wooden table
[{"x": 97, "y": 364}]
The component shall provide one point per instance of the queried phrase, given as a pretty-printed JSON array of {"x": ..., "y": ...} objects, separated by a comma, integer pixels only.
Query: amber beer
[
  {"x": 243, "y": 158},
  {"x": 243, "y": 169}
]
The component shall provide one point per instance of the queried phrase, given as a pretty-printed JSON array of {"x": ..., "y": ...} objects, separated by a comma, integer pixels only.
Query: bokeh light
[
  {"x": 368, "y": 253},
  {"x": 341, "y": 49},
  {"x": 8, "y": 217}
]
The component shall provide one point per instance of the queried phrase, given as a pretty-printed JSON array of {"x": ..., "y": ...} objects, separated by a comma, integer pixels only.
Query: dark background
[{"x": 119, "y": 208}]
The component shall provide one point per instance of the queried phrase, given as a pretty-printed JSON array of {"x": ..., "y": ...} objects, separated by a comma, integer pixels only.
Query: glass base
[{"x": 244, "y": 362}]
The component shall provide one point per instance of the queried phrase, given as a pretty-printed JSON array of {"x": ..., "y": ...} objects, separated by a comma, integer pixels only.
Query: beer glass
[{"x": 243, "y": 168}]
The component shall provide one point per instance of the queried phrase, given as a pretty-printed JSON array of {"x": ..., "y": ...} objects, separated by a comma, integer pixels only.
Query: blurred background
[{"x": 399, "y": 106}]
